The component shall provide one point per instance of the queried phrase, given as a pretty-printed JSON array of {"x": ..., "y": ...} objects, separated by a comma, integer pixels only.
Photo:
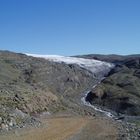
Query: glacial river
[{"x": 83, "y": 99}]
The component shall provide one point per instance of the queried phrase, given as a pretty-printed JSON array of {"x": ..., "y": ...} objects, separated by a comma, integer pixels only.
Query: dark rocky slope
[{"x": 120, "y": 91}]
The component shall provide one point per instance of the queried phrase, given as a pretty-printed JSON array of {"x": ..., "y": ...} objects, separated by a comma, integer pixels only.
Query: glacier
[{"x": 94, "y": 66}]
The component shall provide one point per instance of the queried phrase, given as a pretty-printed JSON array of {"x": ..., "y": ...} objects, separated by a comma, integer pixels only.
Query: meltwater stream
[{"x": 83, "y": 99}]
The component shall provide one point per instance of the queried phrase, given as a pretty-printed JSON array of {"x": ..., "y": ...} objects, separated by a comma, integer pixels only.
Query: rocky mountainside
[
  {"x": 33, "y": 85},
  {"x": 30, "y": 85},
  {"x": 120, "y": 91}
]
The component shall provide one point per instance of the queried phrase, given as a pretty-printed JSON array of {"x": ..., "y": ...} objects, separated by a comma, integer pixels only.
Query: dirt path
[
  {"x": 56, "y": 129},
  {"x": 65, "y": 128},
  {"x": 97, "y": 129}
]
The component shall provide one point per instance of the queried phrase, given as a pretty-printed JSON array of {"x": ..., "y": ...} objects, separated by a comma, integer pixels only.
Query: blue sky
[{"x": 70, "y": 27}]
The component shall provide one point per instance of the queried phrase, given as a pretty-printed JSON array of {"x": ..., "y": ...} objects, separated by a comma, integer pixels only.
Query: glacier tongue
[{"x": 95, "y": 66}]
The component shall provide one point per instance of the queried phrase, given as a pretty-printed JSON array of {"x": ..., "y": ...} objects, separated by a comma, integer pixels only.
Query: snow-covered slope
[{"x": 96, "y": 67}]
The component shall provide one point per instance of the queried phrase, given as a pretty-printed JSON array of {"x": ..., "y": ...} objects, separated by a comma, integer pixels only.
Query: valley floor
[{"x": 67, "y": 127}]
